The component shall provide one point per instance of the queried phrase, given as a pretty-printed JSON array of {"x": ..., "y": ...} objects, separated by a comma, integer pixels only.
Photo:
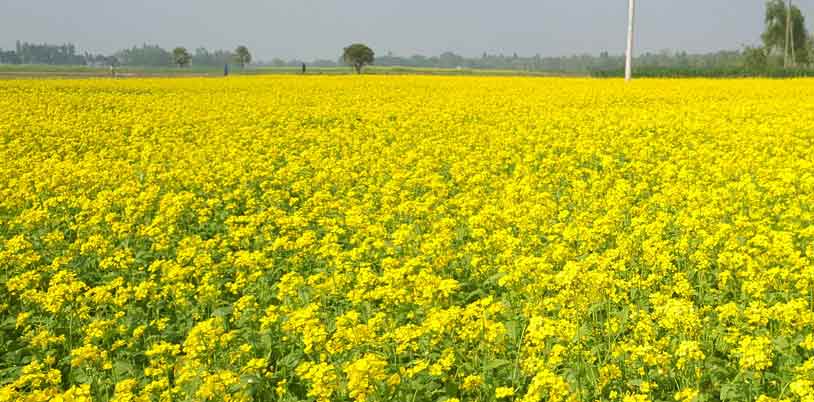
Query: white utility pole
[
  {"x": 790, "y": 56},
  {"x": 788, "y": 35},
  {"x": 629, "y": 55}
]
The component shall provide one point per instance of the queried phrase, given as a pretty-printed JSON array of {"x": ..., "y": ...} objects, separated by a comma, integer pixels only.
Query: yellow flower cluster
[{"x": 406, "y": 238}]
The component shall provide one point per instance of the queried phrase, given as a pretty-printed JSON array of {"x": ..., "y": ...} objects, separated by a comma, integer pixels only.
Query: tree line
[
  {"x": 145, "y": 55},
  {"x": 34, "y": 53},
  {"x": 155, "y": 56}
]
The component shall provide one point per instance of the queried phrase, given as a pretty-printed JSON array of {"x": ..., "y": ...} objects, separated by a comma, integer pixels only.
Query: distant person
[
  {"x": 226, "y": 70},
  {"x": 303, "y": 68},
  {"x": 113, "y": 71}
]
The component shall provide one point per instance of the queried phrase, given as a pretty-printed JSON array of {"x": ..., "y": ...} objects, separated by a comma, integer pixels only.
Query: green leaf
[
  {"x": 732, "y": 392},
  {"x": 222, "y": 311},
  {"x": 122, "y": 368},
  {"x": 291, "y": 360},
  {"x": 495, "y": 364},
  {"x": 10, "y": 323}
]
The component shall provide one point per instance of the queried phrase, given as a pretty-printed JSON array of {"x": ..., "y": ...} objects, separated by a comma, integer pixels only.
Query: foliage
[
  {"x": 580, "y": 64},
  {"x": 755, "y": 58},
  {"x": 31, "y": 53},
  {"x": 357, "y": 56},
  {"x": 774, "y": 36},
  {"x": 243, "y": 56},
  {"x": 181, "y": 57},
  {"x": 216, "y": 58},
  {"x": 145, "y": 56},
  {"x": 482, "y": 239},
  {"x": 734, "y": 72},
  {"x": 154, "y": 56},
  {"x": 10, "y": 57}
]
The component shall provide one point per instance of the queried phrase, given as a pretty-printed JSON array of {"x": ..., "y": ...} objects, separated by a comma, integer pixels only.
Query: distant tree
[
  {"x": 323, "y": 63},
  {"x": 242, "y": 56},
  {"x": 418, "y": 60},
  {"x": 358, "y": 56},
  {"x": 755, "y": 58},
  {"x": 810, "y": 50},
  {"x": 181, "y": 56},
  {"x": 202, "y": 57},
  {"x": 31, "y": 53},
  {"x": 774, "y": 36},
  {"x": 450, "y": 60},
  {"x": 9, "y": 57},
  {"x": 682, "y": 59},
  {"x": 217, "y": 58},
  {"x": 145, "y": 56}
]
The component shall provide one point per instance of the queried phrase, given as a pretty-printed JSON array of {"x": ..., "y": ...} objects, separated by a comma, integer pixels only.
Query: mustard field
[{"x": 416, "y": 239}]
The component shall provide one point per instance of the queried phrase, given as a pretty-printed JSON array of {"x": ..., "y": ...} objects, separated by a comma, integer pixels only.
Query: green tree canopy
[
  {"x": 358, "y": 56},
  {"x": 204, "y": 57},
  {"x": 146, "y": 55},
  {"x": 243, "y": 56},
  {"x": 181, "y": 56},
  {"x": 755, "y": 58},
  {"x": 774, "y": 37}
]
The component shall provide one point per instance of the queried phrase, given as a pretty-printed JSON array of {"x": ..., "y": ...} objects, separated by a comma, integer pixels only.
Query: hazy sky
[{"x": 309, "y": 29}]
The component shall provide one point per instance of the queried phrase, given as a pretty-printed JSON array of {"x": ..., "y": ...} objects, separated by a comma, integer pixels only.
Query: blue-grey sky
[{"x": 309, "y": 29}]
